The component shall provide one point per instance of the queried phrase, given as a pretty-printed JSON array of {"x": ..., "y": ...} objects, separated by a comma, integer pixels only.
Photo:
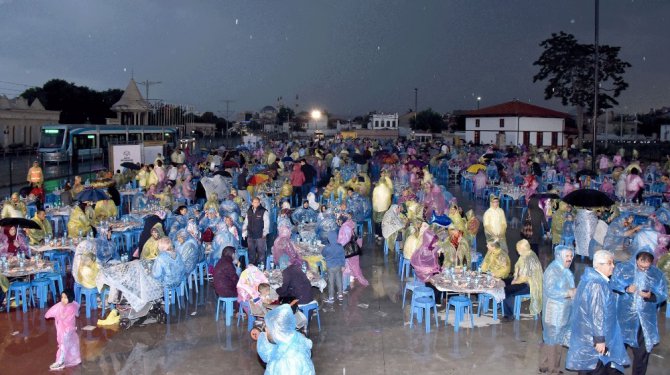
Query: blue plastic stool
[
  {"x": 306, "y": 309},
  {"x": 63, "y": 258},
  {"x": 244, "y": 307},
  {"x": 228, "y": 306},
  {"x": 411, "y": 285},
  {"x": 269, "y": 262},
  {"x": 405, "y": 269},
  {"x": 461, "y": 304},
  {"x": 517, "y": 305},
  {"x": 483, "y": 304},
  {"x": 361, "y": 224},
  {"x": 21, "y": 289},
  {"x": 418, "y": 292},
  {"x": 91, "y": 295},
  {"x": 103, "y": 298},
  {"x": 41, "y": 290},
  {"x": 359, "y": 229},
  {"x": 170, "y": 294},
  {"x": 202, "y": 270},
  {"x": 56, "y": 283},
  {"x": 424, "y": 305},
  {"x": 119, "y": 243}
]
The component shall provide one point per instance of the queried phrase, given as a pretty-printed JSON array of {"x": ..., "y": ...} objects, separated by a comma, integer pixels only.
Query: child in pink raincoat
[{"x": 65, "y": 313}]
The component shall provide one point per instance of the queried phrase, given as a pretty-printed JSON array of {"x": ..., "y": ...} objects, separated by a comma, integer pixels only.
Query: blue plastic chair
[
  {"x": 307, "y": 309},
  {"x": 517, "y": 305},
  {"x": 410, "y": 286},
  {"x": 483, "y": 301},
  {"x": 461, "y": 305},
  {"x": 40, "y": 288},
  {"x": 170, "y": 294},
  {"x": 202, "y": 270},
  {"x": 269, "y": 262},
  {"x": 63, "y": 258},
  {"x": 57, "y": 282},
  {"x": 192, "y": 279},
  {"x": 423, "y": 300},
  {"x": 22, "y": 294},
  {"x": 228, "y": 308},
  {"x": 244, "y": 307},
  {"x": 91, "y": 295},
  {"x": 243, "y": 253},
  {"x": 405, "y": 268}
]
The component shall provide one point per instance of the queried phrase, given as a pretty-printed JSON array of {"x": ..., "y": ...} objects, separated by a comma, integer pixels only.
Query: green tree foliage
[
  {"x": 428, "y": 120},
  {"x": 78, "y": 104},
  {"x": 285, "y": 114},
  {"x": 568, "y": 67}
]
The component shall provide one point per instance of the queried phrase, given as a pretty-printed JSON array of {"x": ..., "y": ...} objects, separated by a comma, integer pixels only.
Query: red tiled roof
[{"x": 517, "y": 109}]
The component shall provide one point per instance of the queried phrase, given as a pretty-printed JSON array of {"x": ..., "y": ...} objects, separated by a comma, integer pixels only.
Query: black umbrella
[
  {"x": 115, "y": 195},
  {"x": 359, "y": 159},
  {"x": 19, "y": 222},
  {"x": 586, "y": 172},
  {"x": 287, "y": 158},
  {"x": 130, "y": 165},
  {"x": 546, "y": 195},
  {"x": 588, "y": 198},
  {"x": 92, "y": 195}
]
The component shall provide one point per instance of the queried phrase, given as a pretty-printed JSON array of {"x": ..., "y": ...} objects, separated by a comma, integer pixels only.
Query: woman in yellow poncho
[
  {"x": 382, "y": 197},
  {"x": 413, "y": 239},
  {"x": 104, "y": 210},
  {"x": 527, "y": 280},
  {"x": 455, "y": 248},
  {"x": 79, "y": 223},
  {"x": 150, "y": 248},
  {"x": 456, "y": 218},
  {"x": 166, "y": 200},
  {"x": 495, "y": 223},
  {"x": 496, "y": 261},
  {"x": 142, "y": 177},
  {"x": 212, "y": 202},
  {"x": 286, "y": 190},
  {"x": 557, "y": 221},
  {"x": 88, "y": 271},
  {"x": 77, "y": 187}
]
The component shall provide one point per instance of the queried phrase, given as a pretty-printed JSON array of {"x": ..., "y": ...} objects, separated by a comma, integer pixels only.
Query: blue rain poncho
[
  {"x": 227, "y": 206},
  {"x": 190, "y": 250},
  {"x": 222, "y": 239},
  {"x": 616, "y": 233},
  {"x": 557, "y": 281},
  {"x": 168, "y": 269},
  {"x": 206, "y": 222},
  {"x": 646, "y": 239},
  {"x": 178, "y": 223},
  {"x": 304, "y": 215},
  {"x": 104, "y": 248},
  {"x": 663, "y": 215},
  {"x": 632, "y": 309},
  {"x": 291, "y": 352},
  {"x": 359, "y": 207},
  {"x": 594, "y": 319},
  {"x": 326, "y": 222}
]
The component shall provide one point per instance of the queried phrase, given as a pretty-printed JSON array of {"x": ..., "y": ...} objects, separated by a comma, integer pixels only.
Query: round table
[{"x": 459, "y": 284}]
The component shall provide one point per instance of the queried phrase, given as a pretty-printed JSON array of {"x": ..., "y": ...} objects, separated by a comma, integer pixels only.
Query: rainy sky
[{"x": 348, "y": 57}]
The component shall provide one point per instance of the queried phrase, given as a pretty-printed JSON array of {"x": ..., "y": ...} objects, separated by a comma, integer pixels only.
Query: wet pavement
[{"x": 367, "y": 333}]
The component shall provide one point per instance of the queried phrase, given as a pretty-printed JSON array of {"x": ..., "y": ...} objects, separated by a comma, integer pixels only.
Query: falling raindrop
[
  {"x": 251, "y": 36},
  {"x": 379, "y": 48},
  {"x": 572, "y": 20},
  {"x": 237, "y": 21},
  {"x": 644, "y": 58},
  {"x": 124, "y": 69}
]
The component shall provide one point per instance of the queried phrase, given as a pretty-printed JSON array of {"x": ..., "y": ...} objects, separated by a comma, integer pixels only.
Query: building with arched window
[{"x": 20, "y": 122}]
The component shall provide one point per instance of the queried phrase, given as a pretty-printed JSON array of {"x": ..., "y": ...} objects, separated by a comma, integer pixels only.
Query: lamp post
[
  {"x": 316, "y": 116},
  {"x": 479, "y": 99},
  {"x": 595, "y": 85}
]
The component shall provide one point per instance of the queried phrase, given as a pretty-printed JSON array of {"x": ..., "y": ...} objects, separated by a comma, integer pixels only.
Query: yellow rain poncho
[
  {"x": 37, "y": 235},
  {"x": 412, "y": 242},
  {"x": 382, "y": 197},
  {"x": 166, "y": 198},
  {"x": 456, "y": 218},
  {"x": 142, "y": 178},
  {"x": 286, "y": 190},
  {"x": 13, "y": 207},
  {"x": 495, "y": 226},
  {"x": 528, "y": 269},
  {"x": 497, "y": 262},
  {"x": 105, "y": 210},
  {"x": 455, "y": 256},
  {"x": 212, "y": 202},
  {"x": 88, "y": 271},
  {"x": 557, "y": 222},
  {"x": 79, "y": 222},
  {"x": 150, "y": 249}
]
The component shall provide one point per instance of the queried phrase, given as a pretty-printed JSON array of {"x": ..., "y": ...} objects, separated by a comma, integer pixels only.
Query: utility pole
[{"x": 147, "y": 84}]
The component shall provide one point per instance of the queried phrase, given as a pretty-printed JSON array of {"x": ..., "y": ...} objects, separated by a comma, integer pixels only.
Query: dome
[{"x": 269, "y": 109}]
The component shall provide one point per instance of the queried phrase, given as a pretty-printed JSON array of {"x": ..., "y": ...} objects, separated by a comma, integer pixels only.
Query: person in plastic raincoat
[
  {"x": 79, "y": 222},
  {"x": 596, "y": 343},
  {"x": 212, "y": 202},
  {"x": 382, "y": 196},
  {"x": 558, "y": 218},
  {"x": 285, "y": 350},
  {"x": 13, "y": 207},
  {"x": 496, "y": 261},
  {"x": 150, "y": 248},
  {"x": 36, "y": 236},
  {"x": 104, "y": 210},
  {"x": 557, "y": 294},
  {"x": 456, "y": 249},
  {"x": 495, "y": 223},
  {"x": 527, "y": 279},
  {"x": 640, "y": 288},
  {"x": 168, "y": 268},
  {"x": 189, "y": 250},
  {"x": 393, "y": 222}
]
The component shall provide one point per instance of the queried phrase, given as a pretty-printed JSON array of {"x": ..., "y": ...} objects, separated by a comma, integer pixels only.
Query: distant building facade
[
  {"x": 20, "y": 122},
  {"x": 380, "y": 121}
]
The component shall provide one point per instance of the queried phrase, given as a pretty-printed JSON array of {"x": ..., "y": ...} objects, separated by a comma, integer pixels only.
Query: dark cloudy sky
[{"x": 346, "y": 56}]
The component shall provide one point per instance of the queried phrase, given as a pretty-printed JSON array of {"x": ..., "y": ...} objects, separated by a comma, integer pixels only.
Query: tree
[
  {"x": 428, "y": 120},
  {"x": 285, "y": 114},
  {"x": 568, "y": 66}
]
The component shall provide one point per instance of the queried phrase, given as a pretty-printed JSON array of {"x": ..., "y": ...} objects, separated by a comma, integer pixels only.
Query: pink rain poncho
[
  {"x": 434, "y": 202},
  {"x": 352, "y": 264},
  {"x": 247, "y": 286},
  {"x": 425, "y": 258},
  {"x": 283, "y": 245},
  {"x": 66, "y": 332}
]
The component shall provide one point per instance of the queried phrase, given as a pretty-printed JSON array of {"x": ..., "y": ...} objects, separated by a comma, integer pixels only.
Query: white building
[
  {"x": 20, "y": 123},
  {"x": 515, "y": 123},
  {"x": 382, "y": 121},
  {"x": 131, "y": 109}
]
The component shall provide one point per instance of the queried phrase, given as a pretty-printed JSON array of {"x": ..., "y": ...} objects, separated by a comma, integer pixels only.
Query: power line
[{"x": 18, "y": 84}]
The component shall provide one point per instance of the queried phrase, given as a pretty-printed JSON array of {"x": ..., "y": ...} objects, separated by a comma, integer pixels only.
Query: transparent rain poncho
[
  {"x": 529, "y": 268},
  {"x": 83, "y": 250},
  {"x": 290, "y": 352},
  {"x": 228, "y": 207},
  {"x": 216, "y": 184},
  {"x": 359, "y": 207},
  {"x": 283, "y": 245},
  {"x": 425, "y": 258},
  {"x": 168, "y": 269},
  {"x": 632, "y": 309},
  {"x": 326, "y": 222},
  {"x": 616, "y": 234},
  {"x": 556, "y": 307},
  {"x": 304, "y": 215},
  {"x": 663, "y": 215},
  {"x": 593, "y": 316},
  {"x": 434, "y": 201},
  {"x": 585, "y": 226},
  {"x": 645, "y": 239},
  {"x": 190, "y": 250},
  {"x": 222, "y": 239}
]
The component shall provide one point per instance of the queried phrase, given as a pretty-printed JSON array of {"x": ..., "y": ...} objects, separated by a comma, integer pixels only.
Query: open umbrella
[
  {"x": 92, "y": 195},
  {"x": 287, "y": 158},
  {"x": 474, "y": 168},
  {"x": 258, "y": 179},
  {"x": 586, "y": 172},
  {"x": 19, "y": 222},
  {"x": 231, "y": 164},
  {"x": 588, "y": 198},
  {"x": 359, "y": 159},
  {"x": 130, "y": 165}
]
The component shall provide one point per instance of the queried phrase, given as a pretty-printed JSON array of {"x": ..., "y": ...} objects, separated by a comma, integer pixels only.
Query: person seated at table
[
  {"x": 104, "y": 210},
  {"x": 496, "y": 261},
  {"x": 284, "y": 246},
  {"x": 619, "y": 230},
  {"x": 212, "y": 202},
  {"x": 180, "y": 219},
  {"x": 150, "y": 247},
  {"x": 210, "y": 221},
  {"x": 393, "y": 222},
  {"x": 168, "y": 268},
  {"x": 247, "y": 286},
  {"x": 87, "y": 271},
  {"x": 166, "y": 199},
  {"x": 304, "y": 214},
  {"x": 295, "y": 283},
  {"x": 425, "y": 261},
  {"x": 79, "y": 224},
  {"x": 189, "y": 249},
  {"x": 13, "y": 207},
  {"x": 527, "y": 280},
  {"x": 13, "y": 242},
  {"x": 224, "y": 275},
  {"x": 36, "y": 236},
  {"x": 456, "y": 249}
]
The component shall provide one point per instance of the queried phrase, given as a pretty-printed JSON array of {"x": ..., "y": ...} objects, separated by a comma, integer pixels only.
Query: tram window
[{"x": 83, "y": 142}]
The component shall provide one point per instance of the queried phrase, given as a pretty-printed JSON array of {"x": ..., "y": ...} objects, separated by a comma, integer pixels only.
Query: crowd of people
[{"x": 253, "y": 200}]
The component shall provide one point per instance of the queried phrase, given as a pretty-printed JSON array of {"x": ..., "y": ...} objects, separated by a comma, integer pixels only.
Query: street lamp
[
  {"x": 479, "y": 99},
  {"x": 316, "y": 115}
]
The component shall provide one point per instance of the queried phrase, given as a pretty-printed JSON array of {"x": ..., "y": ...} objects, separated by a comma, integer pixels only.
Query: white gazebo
[{"x": 132, "y": 108}]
